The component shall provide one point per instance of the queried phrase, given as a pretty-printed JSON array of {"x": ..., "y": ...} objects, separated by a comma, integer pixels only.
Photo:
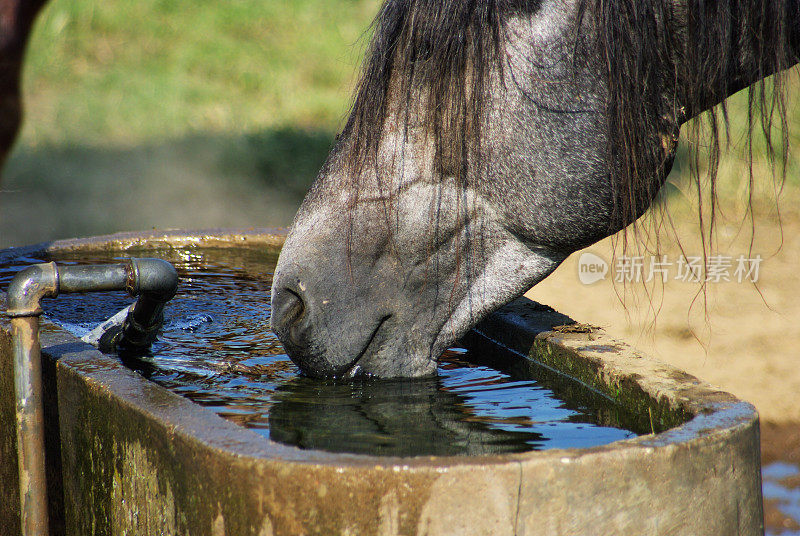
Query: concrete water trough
[{"x": 126, "y": 456}]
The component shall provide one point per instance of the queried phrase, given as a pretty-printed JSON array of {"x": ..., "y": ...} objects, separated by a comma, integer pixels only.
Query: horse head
[{"x": 488, "y": 140}]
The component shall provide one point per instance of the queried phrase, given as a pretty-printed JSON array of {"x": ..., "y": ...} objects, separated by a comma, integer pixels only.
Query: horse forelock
[
  {"x": 441, "y": 53},
  {"x": 435, "y": 57}
]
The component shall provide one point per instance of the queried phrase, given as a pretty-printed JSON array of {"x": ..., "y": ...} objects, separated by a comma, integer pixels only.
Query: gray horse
[{"x": 489, "y": 140}]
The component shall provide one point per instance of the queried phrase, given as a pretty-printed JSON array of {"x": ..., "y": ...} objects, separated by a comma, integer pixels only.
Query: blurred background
[
  {"x": 192, "y": 114},
  {"x": 174, "y": 113}
]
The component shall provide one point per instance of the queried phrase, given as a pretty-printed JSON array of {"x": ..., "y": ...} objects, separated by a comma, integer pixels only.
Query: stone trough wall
[{"x": 126, "y": 456}]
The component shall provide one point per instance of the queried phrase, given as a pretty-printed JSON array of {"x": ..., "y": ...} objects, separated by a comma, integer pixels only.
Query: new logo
[{"x": 591, "y": 268}]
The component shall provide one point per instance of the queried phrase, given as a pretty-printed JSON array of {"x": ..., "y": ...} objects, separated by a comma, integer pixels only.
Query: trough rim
[{"x": 715, "y": 414}]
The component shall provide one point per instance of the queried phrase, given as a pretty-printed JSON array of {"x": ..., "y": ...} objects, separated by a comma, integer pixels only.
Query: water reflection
[
  {"x": 781, "y": 486},
  {"x": 396, "y": 418}
]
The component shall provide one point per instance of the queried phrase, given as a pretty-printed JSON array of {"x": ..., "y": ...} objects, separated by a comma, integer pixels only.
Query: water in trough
[{"x": 217, "y": 349}]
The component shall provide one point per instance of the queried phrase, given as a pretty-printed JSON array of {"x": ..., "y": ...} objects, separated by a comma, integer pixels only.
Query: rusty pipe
[
  {"x": 30, "y": 424},
  {"x": 153, "y": 280}
]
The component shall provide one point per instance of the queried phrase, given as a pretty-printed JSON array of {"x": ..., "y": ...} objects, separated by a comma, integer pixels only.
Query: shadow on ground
[{"x": 204, "y": 180}]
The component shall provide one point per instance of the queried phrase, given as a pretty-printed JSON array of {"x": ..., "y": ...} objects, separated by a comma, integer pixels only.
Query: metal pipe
[
  {"x": 30, "y": 425},
  {"x": 153, "y": 280}
]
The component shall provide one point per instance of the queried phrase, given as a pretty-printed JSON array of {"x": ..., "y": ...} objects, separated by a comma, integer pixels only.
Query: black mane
[
  {"x": 445, "y": 49},
  {"x": 641, "y": 53}
]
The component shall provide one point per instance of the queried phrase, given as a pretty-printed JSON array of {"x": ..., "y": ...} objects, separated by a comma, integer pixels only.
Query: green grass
[
  {"x": 130, "y": 72},
  {"x": 177, "y": 113}
]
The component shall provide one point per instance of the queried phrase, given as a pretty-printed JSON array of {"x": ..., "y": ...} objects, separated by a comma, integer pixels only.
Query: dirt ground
[{"x": 749, "y": 345}]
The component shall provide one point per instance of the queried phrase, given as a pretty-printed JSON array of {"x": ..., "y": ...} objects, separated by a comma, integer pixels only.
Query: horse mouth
[{"x": 354, "y": 369}]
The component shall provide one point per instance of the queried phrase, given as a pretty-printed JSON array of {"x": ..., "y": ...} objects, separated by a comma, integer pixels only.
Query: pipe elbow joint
[
  {"x": 154, "y": 278},
  {"x": 26, "y": 290}
]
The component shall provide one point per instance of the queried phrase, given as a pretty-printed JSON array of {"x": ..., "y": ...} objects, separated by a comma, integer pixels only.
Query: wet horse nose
[
  {"x": 306, "y": 324},
  {"x": 293, "y": 318},
  {"x": 289, "y": 315}
]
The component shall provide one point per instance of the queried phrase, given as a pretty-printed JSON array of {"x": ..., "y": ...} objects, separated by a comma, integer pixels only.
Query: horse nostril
[{"x": 288, "y": 309}]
